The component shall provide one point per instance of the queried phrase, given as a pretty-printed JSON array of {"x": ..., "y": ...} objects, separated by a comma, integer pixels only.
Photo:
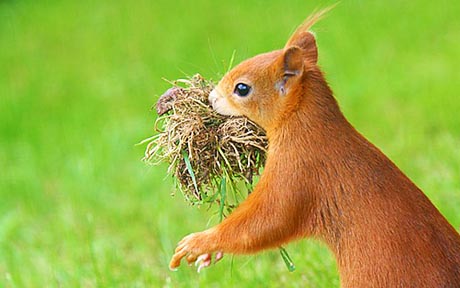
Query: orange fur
[{"x": 323, "y": 179}]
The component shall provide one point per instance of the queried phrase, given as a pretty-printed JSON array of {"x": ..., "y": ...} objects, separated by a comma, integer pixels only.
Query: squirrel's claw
[
  {"x": 205, "y": 260},
  {"x": 165, "y": 102},
  {"x": 219, "y": 255}
]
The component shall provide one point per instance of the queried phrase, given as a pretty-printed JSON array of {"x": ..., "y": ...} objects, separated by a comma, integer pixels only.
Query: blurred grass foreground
[{"x": 77, "y": 78}]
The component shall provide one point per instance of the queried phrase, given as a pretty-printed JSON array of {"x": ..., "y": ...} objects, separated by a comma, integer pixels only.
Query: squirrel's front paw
[{"x": 198, "y": 248}]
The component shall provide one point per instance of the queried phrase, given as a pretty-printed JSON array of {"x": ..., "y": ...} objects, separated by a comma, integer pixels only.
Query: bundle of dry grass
[{"x": 208, "y": 154}]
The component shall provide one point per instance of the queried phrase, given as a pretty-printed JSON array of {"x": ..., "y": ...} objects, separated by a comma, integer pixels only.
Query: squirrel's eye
[{"x": 242, "y": 89}]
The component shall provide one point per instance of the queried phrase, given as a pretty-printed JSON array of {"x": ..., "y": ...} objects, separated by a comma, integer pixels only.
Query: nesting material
[{"x": 208, "y": 154}]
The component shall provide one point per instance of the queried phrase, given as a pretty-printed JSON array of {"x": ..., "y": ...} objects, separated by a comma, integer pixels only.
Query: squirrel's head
[{"x": 267, "y": 87}]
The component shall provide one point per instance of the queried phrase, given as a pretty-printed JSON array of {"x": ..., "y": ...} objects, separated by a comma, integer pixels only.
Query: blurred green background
[{"x": 77, "y": 79}]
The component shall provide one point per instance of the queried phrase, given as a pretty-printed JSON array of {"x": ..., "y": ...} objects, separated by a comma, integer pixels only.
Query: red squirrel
[{"x": 323, "y": 179}]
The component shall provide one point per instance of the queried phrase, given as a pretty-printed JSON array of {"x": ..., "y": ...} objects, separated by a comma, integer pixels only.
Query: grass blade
[
  {"x": 223, "y": 196},
  {"x": 287, "y": 260},
  {"x": 230, "y": 64},
  {"x": 190, "y": 169}
]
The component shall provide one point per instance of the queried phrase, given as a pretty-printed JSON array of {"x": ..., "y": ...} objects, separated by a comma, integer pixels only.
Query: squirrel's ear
[
  {"x": 293, "y": 59},
  {"x": 292, "y": 62},
  {"x": 307, "y": 42}
]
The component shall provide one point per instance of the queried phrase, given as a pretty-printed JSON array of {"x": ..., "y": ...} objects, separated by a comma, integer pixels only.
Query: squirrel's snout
[
  {"x": 213, "y": 98},
  {"x": 221, "y": 105}
]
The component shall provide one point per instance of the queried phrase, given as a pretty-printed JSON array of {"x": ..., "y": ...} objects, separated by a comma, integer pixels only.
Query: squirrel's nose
[{"x": 213, "y": 97}]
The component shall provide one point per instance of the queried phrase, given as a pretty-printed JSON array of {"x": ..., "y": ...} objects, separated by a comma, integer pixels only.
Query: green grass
[{"x": 77, "y": 78}]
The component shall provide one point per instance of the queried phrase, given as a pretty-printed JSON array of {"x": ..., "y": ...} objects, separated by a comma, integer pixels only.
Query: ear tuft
[
  {"x": 305, "y": 39},
  {"x": 293, "y": 59},
  {"x": 307, "y": 24}
]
